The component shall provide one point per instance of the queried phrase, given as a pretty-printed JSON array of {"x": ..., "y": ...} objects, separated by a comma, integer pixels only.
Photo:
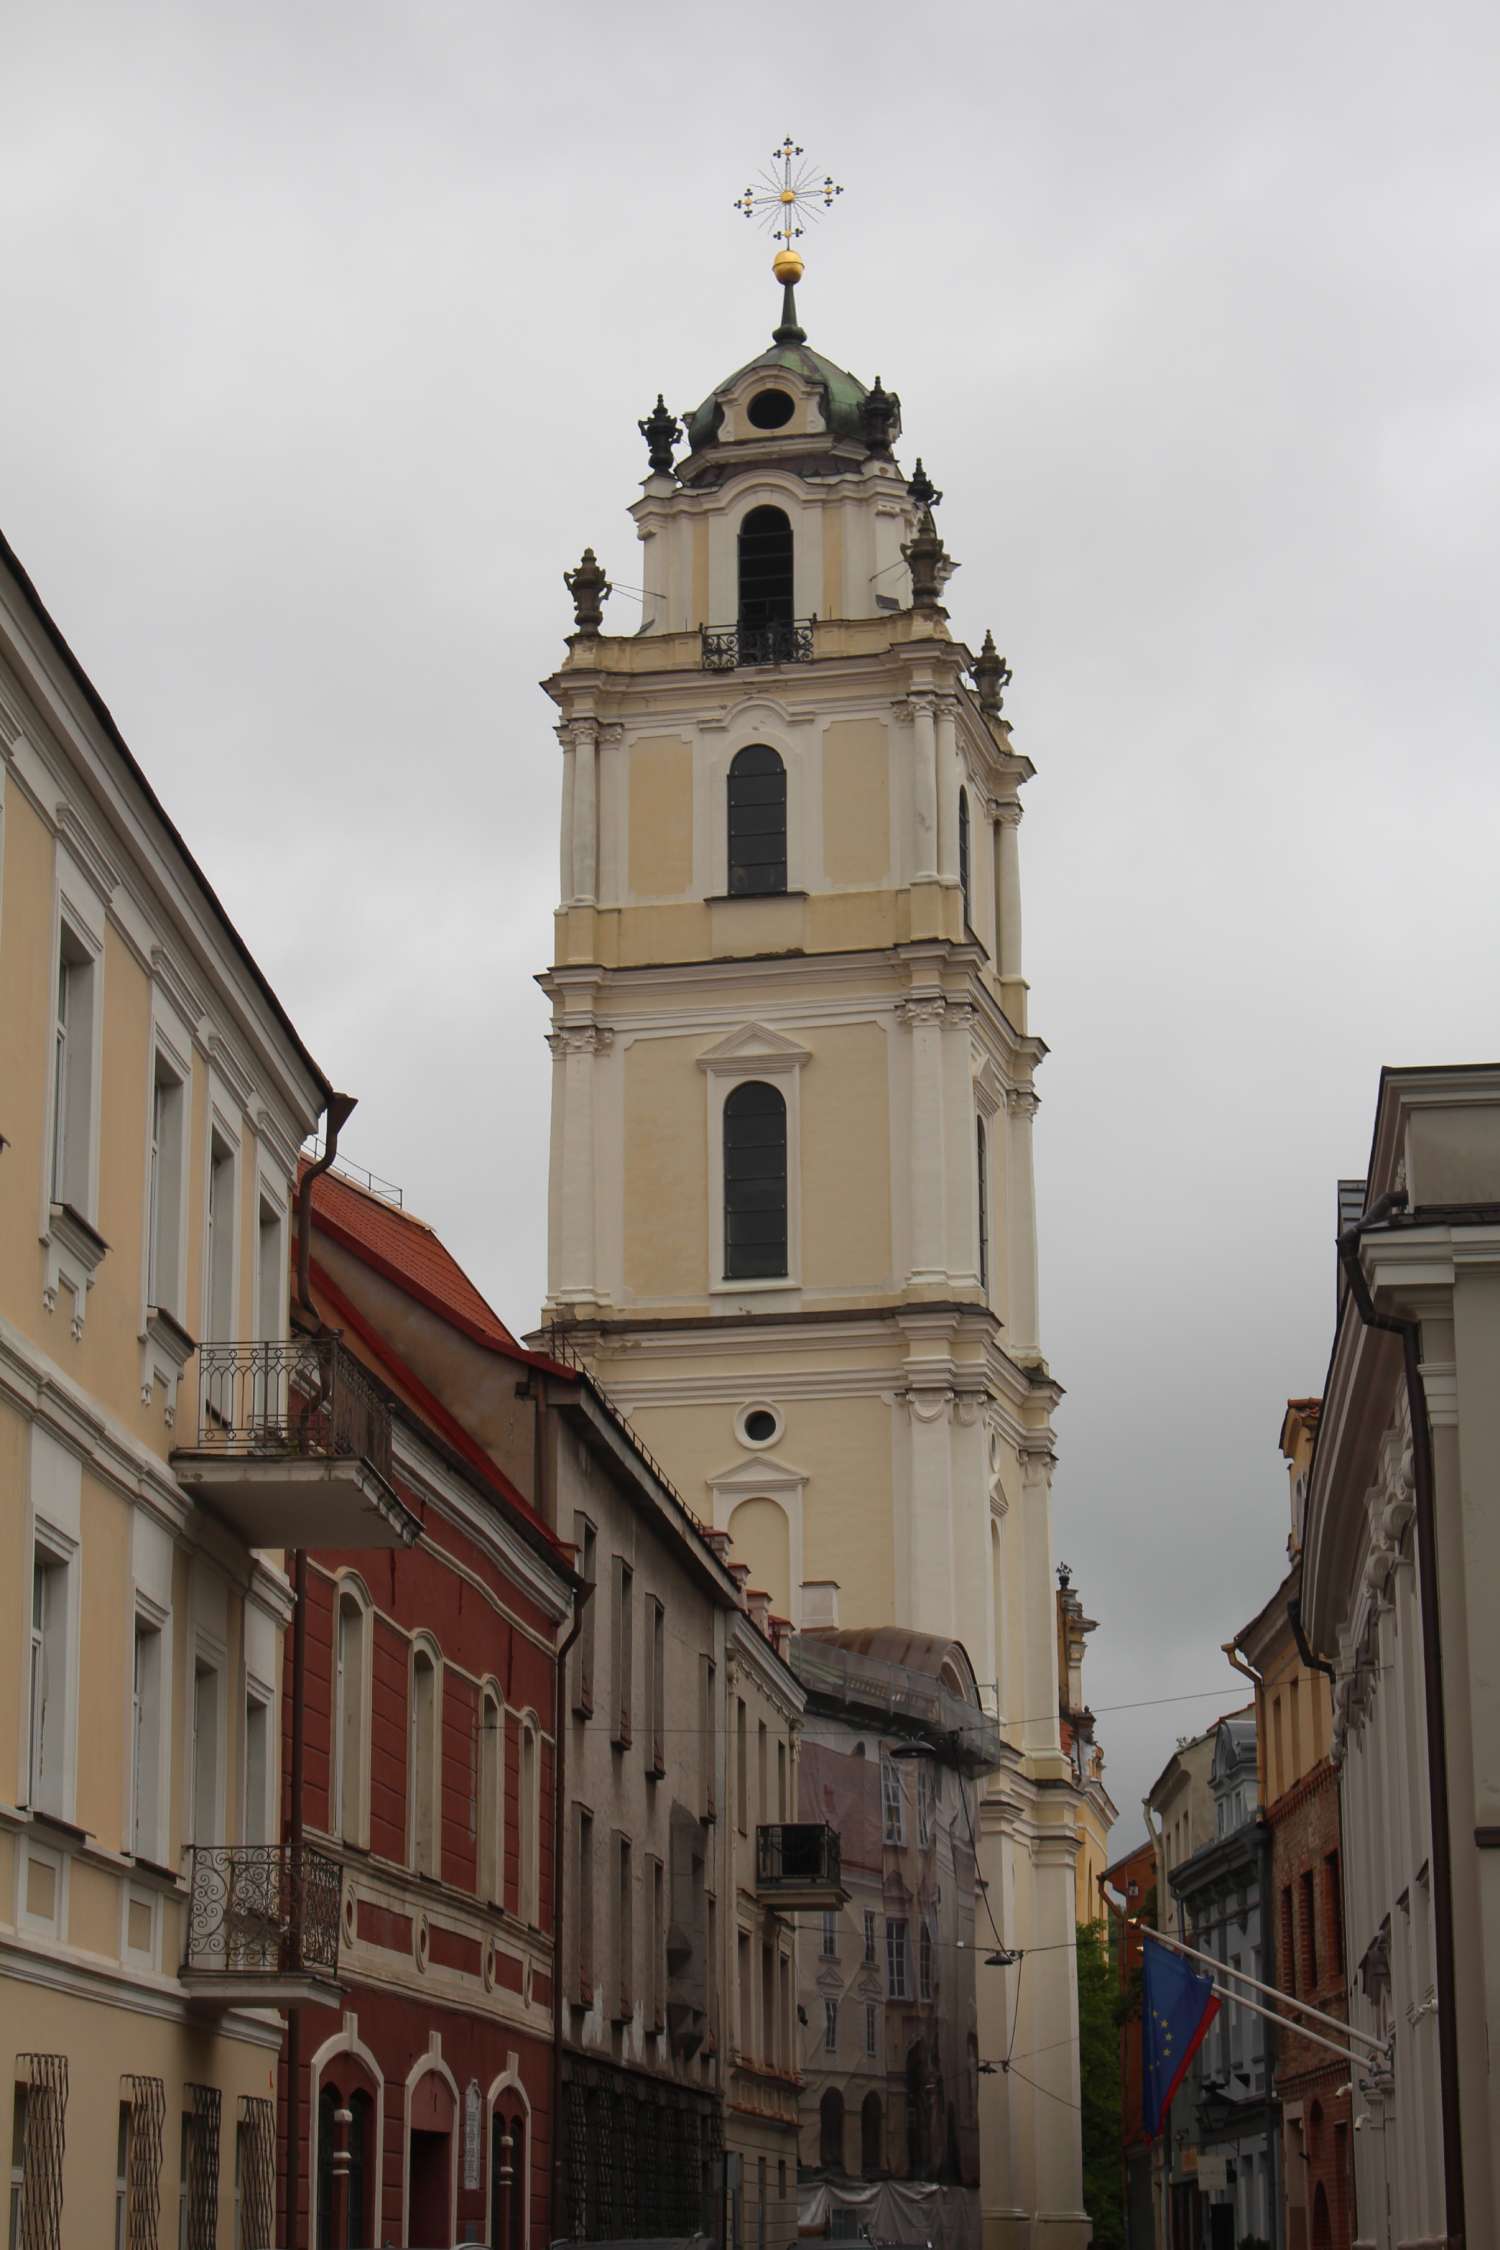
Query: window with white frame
[
  {"x": 586, "y": 1542},
  {"x": 74, "y": 1094},
  {"x": 892, "y": 1801},
  {"x": 221, "y": 1230},
  {"x": 165, "y": 1176},
  {"x": 351, "y": 1702},
  {"x": 528, "y": 1817},
  {"x": 830, "y": 2027},
  {"x": 869, "y": 1938},
  {"x": 270, "y": 1292},
  {"x": 424, "y": 1737},
  {"x": 897, "y": 1982},
  {"x": 491, "y": 1795},
  {"x": 829, "y": 1948},
  {"x": 208, "y": 1687},
  {"x": 50, "y": 1681},
  {"x": 872, "y": 2026},
  {"x": 255, "y": 1820},
  {"x": 926, "y": 1798},
  {"x": 622, "y": 1654},
  {"x": 925, "y": 1944},
  {"x": 656, "y": 1688},
  {"x": 147, "y": 1732}
]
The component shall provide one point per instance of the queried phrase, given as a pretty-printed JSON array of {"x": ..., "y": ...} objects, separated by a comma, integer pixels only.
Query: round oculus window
[
  {"x": 758, "y": 1425},
  {"x": 771, "y": 410}
]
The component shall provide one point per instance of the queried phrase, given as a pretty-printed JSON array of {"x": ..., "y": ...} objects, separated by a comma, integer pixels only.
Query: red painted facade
[
  {"x": 429, "y": 1728},
  {"x": 1310, "y": 2083}
]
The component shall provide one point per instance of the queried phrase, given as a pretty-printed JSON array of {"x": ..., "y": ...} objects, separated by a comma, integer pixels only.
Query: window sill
[
  {"x": 750, "y": 898},
  {"x": 767, "y": 1283},
  {"x": 166, "y": 1348},
  {"x": 75, "y": 1250}
]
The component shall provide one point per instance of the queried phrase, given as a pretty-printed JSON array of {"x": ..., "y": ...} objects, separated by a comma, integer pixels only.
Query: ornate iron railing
[
  {"x": 727, "y": 647},
  {"x": 306, "y": 1397},
  {"x": 263, "y": 1910},
  {"x": 796, "y": 1854}
]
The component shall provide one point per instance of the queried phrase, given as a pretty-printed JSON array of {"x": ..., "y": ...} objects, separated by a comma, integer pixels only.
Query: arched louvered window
[
  {"x": 757, "y": 822},
  {"x": 755, "y": 1230},
  {"x": 963, "y": 855},
  {"x": 765, "y": 558},
  {"x": 982, "y": 1167}
]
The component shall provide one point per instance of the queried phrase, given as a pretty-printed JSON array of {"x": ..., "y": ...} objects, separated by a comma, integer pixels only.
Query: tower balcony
[
  {"x": 734, "y": 648},
  {"x": 263, "y": 1925},
  {"x": 797, "y": 1864},
  {"x": 293, "y": 1447}
]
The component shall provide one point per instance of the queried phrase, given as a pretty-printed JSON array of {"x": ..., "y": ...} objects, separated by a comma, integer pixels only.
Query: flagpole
[
  {"x": 1350, "y": 2031},
  {"x": 1238, "y": 2000}
]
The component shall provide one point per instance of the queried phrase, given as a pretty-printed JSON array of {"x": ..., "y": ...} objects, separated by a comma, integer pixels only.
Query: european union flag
[{"x": 1177, "y": 2006}]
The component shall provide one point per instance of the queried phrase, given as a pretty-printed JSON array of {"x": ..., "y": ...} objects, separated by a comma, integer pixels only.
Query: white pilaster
[
  {"x": 946, "y": 752},
  {"x": 1020, "y": 1223},
  {"x": 1008, "y": 884},
  {"x": 585, "y": 811},
  {"x": 924, "y": 1019},
  {"x": 576, "y": 1046},
  {"x": 924, "y": 789}
]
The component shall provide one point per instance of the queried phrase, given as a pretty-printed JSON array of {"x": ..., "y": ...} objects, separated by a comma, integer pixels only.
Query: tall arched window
[
  {"x": 361, "y": 2165},
  {"x": 528, "y": 1815},
  {"x": 982, "y": 1170},
  {"x": 509, "y": 2175},
  {"x": 424, "y": 1764},
  {"x": 757, "y": 822},
  {"x": 350, "y": 1699},
  {"x": 755, "y": 1228},
  {"x": 491, "y": 1760},
  {"x": 765, "y": 558},
  {"x": 963, "y": 856}
]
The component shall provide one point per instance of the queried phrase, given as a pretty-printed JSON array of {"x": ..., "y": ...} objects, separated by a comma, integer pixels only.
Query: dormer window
[
  {"x": 765, "y": 558},
  {"x": 770, "y": 410}
]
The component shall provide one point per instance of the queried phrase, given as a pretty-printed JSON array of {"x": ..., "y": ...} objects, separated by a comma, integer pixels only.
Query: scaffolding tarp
[{"x": 904, "y": 2211}]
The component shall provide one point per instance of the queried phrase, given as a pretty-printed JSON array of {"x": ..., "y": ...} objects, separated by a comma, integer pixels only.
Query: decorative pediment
[
  {"x": 751, "y": 1050},
  {"x": 756, "y": 1476}
]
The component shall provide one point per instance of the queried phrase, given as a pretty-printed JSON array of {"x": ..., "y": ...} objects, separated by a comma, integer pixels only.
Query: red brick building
[
  {"x": 1129, "y": 1889},
  {"x": 429, "y": 1721}
]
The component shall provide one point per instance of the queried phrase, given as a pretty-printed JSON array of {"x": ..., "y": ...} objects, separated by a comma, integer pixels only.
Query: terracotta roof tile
[{"x": 408, "y": 1252}]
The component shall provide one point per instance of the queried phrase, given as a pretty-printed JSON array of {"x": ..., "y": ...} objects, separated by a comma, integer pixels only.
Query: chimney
[{"x": 820, "y": 1602}]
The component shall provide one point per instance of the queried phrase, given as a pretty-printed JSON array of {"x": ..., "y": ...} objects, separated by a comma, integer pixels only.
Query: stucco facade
[
  {"x": 869, "y": 1412},
  {"x": 152, "y": 1098}
]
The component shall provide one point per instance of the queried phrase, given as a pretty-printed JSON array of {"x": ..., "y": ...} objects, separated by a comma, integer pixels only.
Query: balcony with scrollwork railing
[
  {"x": 798, "y": 1864},
  {"x": 733, "y": 648},
  {"x": 293, "y": 1446},
  {"x": 263, "y": 1925}
]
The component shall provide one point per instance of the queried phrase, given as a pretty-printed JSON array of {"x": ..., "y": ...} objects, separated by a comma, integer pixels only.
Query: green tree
[{"x": 1099, "y": 2087}]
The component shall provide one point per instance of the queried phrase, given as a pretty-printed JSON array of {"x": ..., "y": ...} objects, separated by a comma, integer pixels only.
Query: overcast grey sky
[{"x": 325, "y": 332}]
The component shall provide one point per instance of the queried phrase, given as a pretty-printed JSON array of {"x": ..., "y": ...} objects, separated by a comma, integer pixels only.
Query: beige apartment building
[{"x": 153, "y": 1095}]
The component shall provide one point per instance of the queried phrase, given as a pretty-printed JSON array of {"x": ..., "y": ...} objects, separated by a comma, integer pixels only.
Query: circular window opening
[
  {"x": 771, "y": 410},
  {"x": 758, "y": 1425}
]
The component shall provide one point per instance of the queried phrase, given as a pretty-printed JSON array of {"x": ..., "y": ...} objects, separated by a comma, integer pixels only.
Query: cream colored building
[
  {"x": 1400, "y": 1567},
  {"x": 792, "y": 1216},
  {"x": 152, "y": 1099}
]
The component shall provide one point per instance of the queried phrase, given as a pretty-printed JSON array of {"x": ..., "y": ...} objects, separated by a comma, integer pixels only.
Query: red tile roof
[{"x": 407, "y": 1252}]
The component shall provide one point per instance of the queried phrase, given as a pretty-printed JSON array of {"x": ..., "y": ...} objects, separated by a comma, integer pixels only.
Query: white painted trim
[
  {"x": 345, "y": 2042},
  {"x": 509, "y": 2081},
  {"x": 749, "y": 1055},
  {"x": 432, "y": 2060}
]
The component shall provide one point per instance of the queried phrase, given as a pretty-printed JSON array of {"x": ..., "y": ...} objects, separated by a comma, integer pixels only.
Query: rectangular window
[
  {"x": 924, "y": 1961},
  {"x": 781, "y": 1812},
  {"x": 893, "y": 1801},
  {"x": 925, "y": 1797},
  {"x": 656, "y": 1994},
  {"x": 423, "y": 1760},
  {"x": 584, "y": 1890},
  {"x": 220, "y": 1241},
  {"x": 830, "y": 1946},
  {"x": 187, "y": 2152},
  {"x": 1335, "y": 1907},
  {"x": 1309, "y": 1927},
  {"x": 760, "y": 2203},
  {"x": 270, "y": 1295},
  {"x": 656, "y": 1689},
  {"x": 744, "y": 2029},
  {"x": 1288, "y": 1942},
  {"x": 784, "y": 2018},
  {"x": 767, "y": 2002},
  {"x": 122, "y": 2177},
  {"x": 207, "y": 1823},
  {"x": 896, "y": 1983},
  {"x": 742, "y": 1766},
  {"x": 1294, "y": 1705},
  {"x": 708, "y": 1721},
  {"x": 50, "y": 1681},
  {"x": 255, "y": 1827},
  {"x": 164, "y": 1197},
  {"x": 73, "y": 1091},
  {"x": 715, "y": 1979},
  {"x": 1278, "y": 1749},
  {"x": 830, "y": 2027},
  {"x": 623, "y": 1652},
  {"x": 17, "y": 2164},
  {"x": 872, "y": 2017},
  {"x": 491, "y": 1793},
  {"x": 869, "y": 1939},
  {"x": 586, "y": 1540},
  {"x": 146, "y": 1742},
  {"x": 624, "y": 2006}
]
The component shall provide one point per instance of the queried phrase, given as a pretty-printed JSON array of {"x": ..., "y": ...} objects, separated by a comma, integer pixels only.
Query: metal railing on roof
[
  {"x": 384, "y": 1191},
  {"x": 897, "y": 1692}
]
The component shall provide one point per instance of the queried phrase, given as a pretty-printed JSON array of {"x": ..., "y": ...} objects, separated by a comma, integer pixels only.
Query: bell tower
[{"x": 791, "y": 1213}]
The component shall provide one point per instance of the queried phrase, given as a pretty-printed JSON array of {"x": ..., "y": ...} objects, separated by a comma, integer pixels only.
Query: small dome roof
[{"x": 844, "y": 394}]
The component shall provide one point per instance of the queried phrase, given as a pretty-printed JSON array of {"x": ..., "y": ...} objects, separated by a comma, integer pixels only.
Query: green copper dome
[{"x": 844, "y": 394}]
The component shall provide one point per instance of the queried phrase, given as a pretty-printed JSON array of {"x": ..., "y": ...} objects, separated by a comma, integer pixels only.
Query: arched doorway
[
  {"x": 332, "y": 2097},
  {"x": 510, "y": 2160},
  {"x": 429, "y": 2164}
]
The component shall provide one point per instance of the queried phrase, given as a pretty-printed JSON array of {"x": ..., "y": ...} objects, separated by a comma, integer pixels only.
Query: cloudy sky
[{"x": 325, "y": 331}]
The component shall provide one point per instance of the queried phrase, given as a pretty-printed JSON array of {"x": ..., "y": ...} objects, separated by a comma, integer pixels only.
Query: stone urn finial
[{"x": 590, "y": 590}]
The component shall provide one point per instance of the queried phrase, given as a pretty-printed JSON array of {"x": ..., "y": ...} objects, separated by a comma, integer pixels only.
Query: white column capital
[
  {"x": 924, "y": 1009},
  {"x": 580, "y": 1039}
]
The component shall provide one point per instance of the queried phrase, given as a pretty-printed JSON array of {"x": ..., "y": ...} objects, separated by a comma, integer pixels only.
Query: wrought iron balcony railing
[
  {"x": 306, "y": 1398},
  {"x": 266, "y": 1911},
  {"x": 797, "y": 1856},
  {"x": 726, "y": 648}
]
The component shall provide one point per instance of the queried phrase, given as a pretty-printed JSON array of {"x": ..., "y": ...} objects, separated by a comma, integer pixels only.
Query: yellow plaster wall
[
  {"x": 856, "y": 802},
  {"x": 833, "y": 562},
  {"x": 106, "y": 1611},
  {"x": 846, "y": 1159},
  {"x": 700, "y": 572},
  {"x": 666, "y": 1170},
  {"x": 762, "y": 1539},
  {"x": 847, "y": 1502},
  {"x": 94, "y": 1910},
  {"x": 856, "y": 921},
  {"x": 661, "y": 816},
  {"x": 25, "y": 1050},
  {"x": 107, "y": 1361}
]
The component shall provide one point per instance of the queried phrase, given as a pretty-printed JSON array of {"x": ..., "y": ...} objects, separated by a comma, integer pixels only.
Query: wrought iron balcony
[
  {"x": 263, "y": 1924},
  {"x": 797, "y": 1864},
  {"x": 293, "y": 1446},
  {"x": 728, "y": 648}
]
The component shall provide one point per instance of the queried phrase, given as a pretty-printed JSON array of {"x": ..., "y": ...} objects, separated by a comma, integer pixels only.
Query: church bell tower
[{"x": 791, "y": 1213}]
